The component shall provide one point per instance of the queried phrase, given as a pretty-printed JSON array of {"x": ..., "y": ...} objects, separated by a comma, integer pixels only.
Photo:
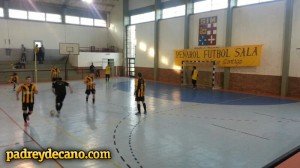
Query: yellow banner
[{"x": 239, "y": 56}]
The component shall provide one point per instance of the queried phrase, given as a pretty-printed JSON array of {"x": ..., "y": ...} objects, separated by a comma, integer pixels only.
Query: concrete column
[
  {"x": 231, "y": 5},
  {"x": 158, "y": 16},
  {"x": 189, "y": 10},
  {"x": 288, "y": 25},
  {"x": 126, "y": 22}
]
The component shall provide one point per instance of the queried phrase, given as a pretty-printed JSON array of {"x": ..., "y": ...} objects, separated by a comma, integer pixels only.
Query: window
[
  {"x": 86, "y": 21},
  {"x": 208, "y": 5},
  {"x": 1, "y": 12},
  {"x": 219, "y": 4},
  {"x": 53, "y": 17},
  {"x": 173, "y": 12},
  {"x": 202, "y": 6},
  {"x": 72, "y": 19},
  {"x": 17, "y": 14},
  {"x": 99, "y": 23},
  {"x": 248, "y": 2},
  {"x": 140, "y": 18},
  {"x": 36, "y": 16}
]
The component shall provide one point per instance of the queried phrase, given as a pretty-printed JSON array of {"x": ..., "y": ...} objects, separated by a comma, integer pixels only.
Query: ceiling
[{"x": 101, "y": 5}]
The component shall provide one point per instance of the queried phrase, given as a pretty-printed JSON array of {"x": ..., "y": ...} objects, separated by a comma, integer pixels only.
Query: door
[{"x": 131, "y": 68}]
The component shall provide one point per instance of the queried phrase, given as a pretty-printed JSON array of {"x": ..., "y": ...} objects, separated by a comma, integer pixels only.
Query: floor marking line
[
  {"x": 240, "y": 131},
  {"x": 15, "y": 122}
]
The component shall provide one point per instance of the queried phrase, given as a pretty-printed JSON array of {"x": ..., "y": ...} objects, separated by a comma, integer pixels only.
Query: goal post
[{"x": 209, "y": 74}]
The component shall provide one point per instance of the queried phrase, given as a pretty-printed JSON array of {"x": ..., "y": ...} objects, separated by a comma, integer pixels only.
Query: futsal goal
[{"x": 209, "y": 74}]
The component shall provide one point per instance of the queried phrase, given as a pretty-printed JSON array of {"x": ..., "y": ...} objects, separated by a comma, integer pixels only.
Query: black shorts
[
  {"x": 60, "y": 98},
  {"x": 107, "y": 75},
  {"x": 89, "y": 91},
  {"x": 28, "y": 106},
  {"x": 142, "y": 98},
  {"x": 194, "y": 82}
]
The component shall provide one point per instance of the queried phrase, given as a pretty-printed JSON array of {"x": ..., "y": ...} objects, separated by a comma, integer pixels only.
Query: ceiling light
[{"x": 88, "y": 1}]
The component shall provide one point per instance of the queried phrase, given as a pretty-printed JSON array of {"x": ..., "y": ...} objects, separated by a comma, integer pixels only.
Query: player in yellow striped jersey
[
  {"x": 107, "y": 72},
  {"x": 28, "y": 90},
  {"x": 140, "y": 88},
  {"x": 90, "y": 86},
  {"x": 14, "y": 79},
  {"x": 54, "y": 73},
  {"x": 194, "y": 77}
]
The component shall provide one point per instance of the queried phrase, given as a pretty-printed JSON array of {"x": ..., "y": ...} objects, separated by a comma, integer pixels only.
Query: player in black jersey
[
  {"x": 59, "y": 89},
  {"x": 140, "y": 88}
]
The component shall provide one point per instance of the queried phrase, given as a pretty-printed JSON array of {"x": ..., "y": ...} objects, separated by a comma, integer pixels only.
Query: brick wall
[
  {"x": 262, "y": 84},
  {"x": 169, "y": 76},
  {"x": 164, "y": 75},
  {"x": 259, "y": 84},
  {"x": 148, "y": 73},
  {"x": 294, "y": 87}
]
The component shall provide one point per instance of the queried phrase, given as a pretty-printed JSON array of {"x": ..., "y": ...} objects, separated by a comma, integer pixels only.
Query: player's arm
[
  {"x": 135, "y": 86},
  {"x": 53, "y": 88},
  {"x": 18, "y": 92},
  {"x": 70, "y": 88},
  {"x": 35, "y": 91},
  {"x": 10, "y": 80},
  {"x": 85, "y": 80}
]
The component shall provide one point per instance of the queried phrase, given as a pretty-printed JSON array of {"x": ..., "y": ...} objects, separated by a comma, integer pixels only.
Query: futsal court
[{"x": 183, "y": 127}]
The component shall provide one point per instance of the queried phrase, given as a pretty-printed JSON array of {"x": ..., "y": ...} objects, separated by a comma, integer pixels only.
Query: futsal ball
[{"x": 52, "y": 113}]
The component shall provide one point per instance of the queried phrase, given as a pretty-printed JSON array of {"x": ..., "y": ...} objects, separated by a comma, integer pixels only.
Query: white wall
[
  {"x": 221, "y": 27},
  {"x": 171, "y": 37},
  {"x": 134, "y": 4},
  {"x": 116, "y": 28},
  {"x": 295, "y": 54},
  {"x": 84, "y": 59},
  {"x": 25, "y": 32},
  {"x": 145, "y": 45},
  {"x": 87, "y": 36},
  {"x": 261, "y": 24}
]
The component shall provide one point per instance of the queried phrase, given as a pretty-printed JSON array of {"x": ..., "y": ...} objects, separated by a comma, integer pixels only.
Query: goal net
[{"x": 209, "y": 74}]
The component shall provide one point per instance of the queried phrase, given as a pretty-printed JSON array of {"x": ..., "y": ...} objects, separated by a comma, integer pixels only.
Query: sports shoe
[
  {"x": 138, "y": 113},
  {"x": 57, "y": 114}
]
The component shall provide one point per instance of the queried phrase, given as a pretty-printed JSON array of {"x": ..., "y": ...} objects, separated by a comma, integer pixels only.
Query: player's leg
[
  {"x": 14, "y": 86},
  {"x": 144, "y": 105},
  {"x": 108, "y": 76},
  {"x": 93, "y": 92},
  {"x": 59, "y": 103},
  {"x": 139, "y": 108},
  {"x": 30, "y": 108},
  {"x": 87, "y": 92},
  {"x": 194, "y": 83},
  {"x": 25, "y": 114}
]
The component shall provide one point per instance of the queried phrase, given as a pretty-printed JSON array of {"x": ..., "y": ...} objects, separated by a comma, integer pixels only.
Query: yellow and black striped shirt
[
  {"x": 55, "y": 72},
  {"x": 140, "y": 87},
  {"x": 89, "y": 81},
  {"x": 28, "y": 91}
]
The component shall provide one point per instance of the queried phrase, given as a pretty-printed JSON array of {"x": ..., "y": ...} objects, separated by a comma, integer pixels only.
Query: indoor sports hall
[{"x": 149, "y": 83}]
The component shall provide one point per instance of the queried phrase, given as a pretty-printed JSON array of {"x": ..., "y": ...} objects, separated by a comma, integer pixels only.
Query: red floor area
[{"x": 292, "y": 162}]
